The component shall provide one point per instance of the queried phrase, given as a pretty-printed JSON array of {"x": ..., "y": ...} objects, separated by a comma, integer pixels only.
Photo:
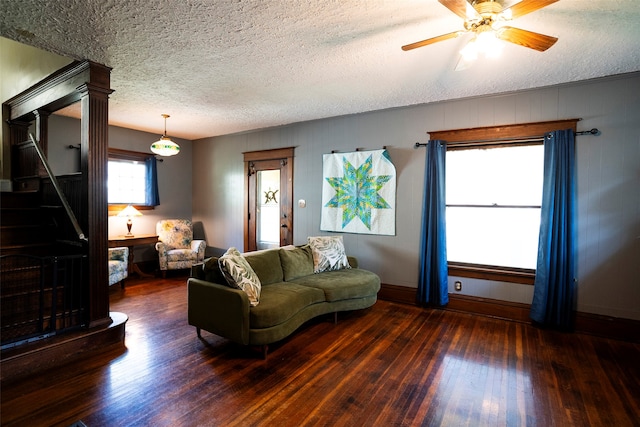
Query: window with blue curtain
[
  {"x": 433, "y": 277},
  {"x": 499, "y": 177},
  {"x": 132, "y": 179},
  {"x": 554, "y": 289}
]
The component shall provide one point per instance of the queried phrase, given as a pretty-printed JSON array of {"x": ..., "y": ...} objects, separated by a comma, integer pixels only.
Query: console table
[{"x": 130, "y": 242}]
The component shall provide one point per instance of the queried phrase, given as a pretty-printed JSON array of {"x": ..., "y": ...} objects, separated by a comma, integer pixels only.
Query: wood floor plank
[{"x": 391, "y": 365}]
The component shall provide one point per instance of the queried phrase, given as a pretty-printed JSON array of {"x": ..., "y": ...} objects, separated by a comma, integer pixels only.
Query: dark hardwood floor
[{"x": 390, "y": 365}]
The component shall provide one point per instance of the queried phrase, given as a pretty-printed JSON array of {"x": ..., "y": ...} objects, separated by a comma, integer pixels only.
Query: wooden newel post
[{"x": 94, "y": 140}]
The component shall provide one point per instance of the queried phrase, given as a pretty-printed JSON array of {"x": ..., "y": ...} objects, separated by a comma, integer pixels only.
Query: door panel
[
  {"x": 269, "y": 186},
  {"x": 268, "y": 209}
]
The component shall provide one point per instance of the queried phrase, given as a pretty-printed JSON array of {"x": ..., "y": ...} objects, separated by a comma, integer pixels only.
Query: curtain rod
[
  {"x": 593, "y": 131},
  {"x": 384, "y": 147},
  {"x": 77, "y": 147}
]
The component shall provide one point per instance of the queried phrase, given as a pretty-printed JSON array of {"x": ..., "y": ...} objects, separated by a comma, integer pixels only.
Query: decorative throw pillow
[
  {"x": 328, "y": 253},
  {"x": 239, "y": 274}
]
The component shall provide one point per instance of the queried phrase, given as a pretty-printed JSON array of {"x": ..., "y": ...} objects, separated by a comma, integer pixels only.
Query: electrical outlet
[{"x": 458, "y": 286}]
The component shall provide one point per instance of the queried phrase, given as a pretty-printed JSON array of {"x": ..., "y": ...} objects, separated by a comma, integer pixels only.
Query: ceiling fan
[{"x": 485, "y": 19}]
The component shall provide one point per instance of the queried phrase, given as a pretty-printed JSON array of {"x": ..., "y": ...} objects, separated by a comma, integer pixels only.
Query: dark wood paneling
[{"x": 59, "y": 90}]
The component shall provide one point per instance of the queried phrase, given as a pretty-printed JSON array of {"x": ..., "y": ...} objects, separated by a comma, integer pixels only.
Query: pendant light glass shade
[{"x": 165, "y": 146}]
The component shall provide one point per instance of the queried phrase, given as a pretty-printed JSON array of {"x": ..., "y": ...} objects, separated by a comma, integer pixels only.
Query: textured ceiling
[{"x": 226, "y": 66}]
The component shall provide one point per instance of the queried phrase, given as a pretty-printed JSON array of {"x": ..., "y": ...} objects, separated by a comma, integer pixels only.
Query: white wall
[
  {"x": 608, "y": 183},
  {"x": 174, "y": 174}
]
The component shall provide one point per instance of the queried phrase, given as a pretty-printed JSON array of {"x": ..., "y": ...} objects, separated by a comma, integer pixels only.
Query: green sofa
[{"x": 291, "y": 294}]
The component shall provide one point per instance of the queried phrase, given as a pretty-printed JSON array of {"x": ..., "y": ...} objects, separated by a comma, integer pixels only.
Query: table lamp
[{"x": 129, "y": 212}]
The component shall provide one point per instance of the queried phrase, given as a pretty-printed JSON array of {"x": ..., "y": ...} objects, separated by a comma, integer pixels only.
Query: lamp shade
[
  {"x": 129, "y": 211},
  {"x": 165, "y": 147}
]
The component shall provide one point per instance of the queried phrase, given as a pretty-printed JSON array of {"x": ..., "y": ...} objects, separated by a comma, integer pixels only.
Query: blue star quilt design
[{"x": 359, "y": 192}]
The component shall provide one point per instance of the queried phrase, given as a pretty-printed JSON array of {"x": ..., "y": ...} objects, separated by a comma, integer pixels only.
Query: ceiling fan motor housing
[{"x": 487, "y": 8}]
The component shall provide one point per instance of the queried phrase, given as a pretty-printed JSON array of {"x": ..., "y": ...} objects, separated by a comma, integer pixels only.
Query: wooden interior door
[{"x": 269, "y": 199}]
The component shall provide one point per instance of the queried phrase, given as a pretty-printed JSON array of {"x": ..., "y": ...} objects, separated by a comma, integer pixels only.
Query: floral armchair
[
  {"x": 176, "y": 247},
  {"x": 118, "y": 265}
]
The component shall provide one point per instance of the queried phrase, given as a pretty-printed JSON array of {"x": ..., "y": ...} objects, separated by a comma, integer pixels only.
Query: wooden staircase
[
  {"x": 50, "y": 225},
  {"x": 27, "y": 227},
  {"x": 40, "y": 291},
  {"x": 43, "y": 317}
]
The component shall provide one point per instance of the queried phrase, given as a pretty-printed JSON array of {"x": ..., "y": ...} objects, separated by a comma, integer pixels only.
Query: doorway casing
[{"x": 282, "y": 159}]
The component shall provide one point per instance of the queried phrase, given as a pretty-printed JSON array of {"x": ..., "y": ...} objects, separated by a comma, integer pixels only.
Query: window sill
[
  {"x": 522, "y": 276},
  {"x": 115, "y": 209}
]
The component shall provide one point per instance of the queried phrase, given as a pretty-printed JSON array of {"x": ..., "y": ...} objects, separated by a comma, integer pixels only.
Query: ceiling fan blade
[
  {"x": 432, "y": 40},
  {"x": 536, "y": 41},
  {"x": 526, "y": 6},
  {"x": 461, "y": 8}
]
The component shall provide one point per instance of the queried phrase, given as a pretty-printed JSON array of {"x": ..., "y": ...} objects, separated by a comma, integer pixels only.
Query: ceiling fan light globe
[
  {"x": 470, "y": 51},
  {"x": 489, "y": 45}
]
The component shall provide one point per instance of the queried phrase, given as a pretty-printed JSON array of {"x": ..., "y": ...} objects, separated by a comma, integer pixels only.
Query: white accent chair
[{"x": 176, "y": 247}]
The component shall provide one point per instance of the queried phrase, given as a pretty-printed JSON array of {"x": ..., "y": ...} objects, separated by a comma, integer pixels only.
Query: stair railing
[{"x": 56, "y": 186}]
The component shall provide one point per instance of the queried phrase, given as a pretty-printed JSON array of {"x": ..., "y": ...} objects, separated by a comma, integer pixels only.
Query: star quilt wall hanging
[{"x": 359, "y": 193}]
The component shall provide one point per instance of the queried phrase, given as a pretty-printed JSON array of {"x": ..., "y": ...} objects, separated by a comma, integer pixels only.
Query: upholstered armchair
[
  {"x": 176, "y": 247},
  {"x": 118, "y": 265}
]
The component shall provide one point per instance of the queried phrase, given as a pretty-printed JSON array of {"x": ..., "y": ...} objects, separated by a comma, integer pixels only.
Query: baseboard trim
[
  {"x": 401, "y": 294},
  {"x": 48, "y": 353},
  {"x": 507, "y": 310},
  {"x": 609, "y": 327},
  {"x": 587, "y": 323}
]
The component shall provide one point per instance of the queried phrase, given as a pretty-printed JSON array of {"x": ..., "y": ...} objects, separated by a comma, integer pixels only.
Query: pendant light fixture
[{"x": 165, "y": 146}]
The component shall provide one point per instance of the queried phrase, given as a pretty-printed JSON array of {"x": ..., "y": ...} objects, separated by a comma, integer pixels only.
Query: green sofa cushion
[
  {"x": 343, "y": 284},
  {"x": 280, "y": 302},
  {"x": 297, "y": 262},
  {"x": 266, "y": 265}
]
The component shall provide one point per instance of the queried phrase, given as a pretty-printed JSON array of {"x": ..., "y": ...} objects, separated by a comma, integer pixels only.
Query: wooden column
[
  {"x": 18, "y": 133},
  {"x": 94, "y": 141},
  {"x": 42, "y": 136}
]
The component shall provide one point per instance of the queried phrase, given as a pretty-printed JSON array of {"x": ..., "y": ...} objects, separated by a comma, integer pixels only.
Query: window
[
  {"x": 493, "y": 205},
  {"x": 132, "y": 179},
  {"x": 127, "y": 182},
  {"x": 494, "y": 191}
]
